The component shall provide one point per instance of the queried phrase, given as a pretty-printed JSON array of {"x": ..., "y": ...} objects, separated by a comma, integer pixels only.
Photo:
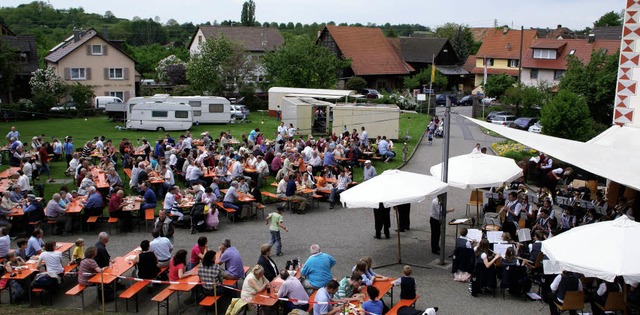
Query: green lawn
[{"x": 85, "y": 129}]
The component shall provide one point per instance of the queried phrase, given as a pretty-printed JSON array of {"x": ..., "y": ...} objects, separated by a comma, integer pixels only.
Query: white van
[
  {"x": 102, "y": 101},
  {"x": 160, "y": 116}
]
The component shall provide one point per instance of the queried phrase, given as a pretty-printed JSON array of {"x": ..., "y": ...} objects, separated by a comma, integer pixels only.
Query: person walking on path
[{"x": 274, "y": 220}]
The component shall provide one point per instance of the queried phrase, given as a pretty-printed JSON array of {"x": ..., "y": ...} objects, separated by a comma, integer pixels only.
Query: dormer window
[{"x": 544, "y": 54}]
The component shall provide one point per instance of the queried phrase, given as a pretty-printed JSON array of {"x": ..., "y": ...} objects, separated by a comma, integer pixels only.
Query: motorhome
[
  {"x": 206, "y": 109},
  {"x": 160, "y": 116}
]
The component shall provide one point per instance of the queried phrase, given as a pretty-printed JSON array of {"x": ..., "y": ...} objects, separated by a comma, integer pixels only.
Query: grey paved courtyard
[{"x": 347, "y": 234}]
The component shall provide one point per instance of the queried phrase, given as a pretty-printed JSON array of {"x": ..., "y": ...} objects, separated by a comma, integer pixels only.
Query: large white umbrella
[
  {"x": 477, "y": 170},
  {"x": 603, "y": 250},
  {"x": 392, "y": 188}
]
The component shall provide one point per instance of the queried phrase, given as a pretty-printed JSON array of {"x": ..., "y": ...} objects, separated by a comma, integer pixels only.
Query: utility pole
[{"x": 445, "y": 177}]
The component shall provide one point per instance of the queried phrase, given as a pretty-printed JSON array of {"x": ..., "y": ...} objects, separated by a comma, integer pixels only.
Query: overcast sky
[{"x": 575, "y": 14}]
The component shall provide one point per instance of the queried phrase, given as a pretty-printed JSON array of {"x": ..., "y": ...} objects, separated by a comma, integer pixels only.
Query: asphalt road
[{"x": 347, "y": 234}]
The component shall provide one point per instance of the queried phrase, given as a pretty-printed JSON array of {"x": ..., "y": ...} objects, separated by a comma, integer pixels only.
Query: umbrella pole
[
  {"x": 399, "y": 248},
  {"x": 477, "y": 208},
  {"x": 398, "y": 233}
]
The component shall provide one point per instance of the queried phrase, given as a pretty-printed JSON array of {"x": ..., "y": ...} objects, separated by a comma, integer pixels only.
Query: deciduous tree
[
  {"x": 302, "y": 63},
  {"x": 567, "y": 116},
  {"x": 609, "y": 19},
  {"x": 220, "y": 67},
  {"x": 595, "y": 81},
  {"x": 497, "y": 84}
]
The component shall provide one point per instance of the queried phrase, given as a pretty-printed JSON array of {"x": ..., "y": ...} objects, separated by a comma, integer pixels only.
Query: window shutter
[
  {"x": 104, "y": 50},
  {"x": 126, "y": 96},
  {"x": 67, "y": 74},
  {"x": 125, "y": 73},
  {"x": 87, "y": 73},
  {"x": 88, "y": 50},
  {"x": 106, "y": 74}
]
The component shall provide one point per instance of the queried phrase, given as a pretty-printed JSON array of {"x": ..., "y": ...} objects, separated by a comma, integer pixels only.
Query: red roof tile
[
  {"x": 581, "y": 48},
  {"x": 369, "y": 50},
  {"x": 505, "y": 46}
]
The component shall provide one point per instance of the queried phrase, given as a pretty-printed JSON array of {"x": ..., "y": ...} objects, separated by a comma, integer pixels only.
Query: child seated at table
[
  {"x": 78, "y": 252},
  {"x": 22, "y": 249},
  {"x": 407, "y": 284}
]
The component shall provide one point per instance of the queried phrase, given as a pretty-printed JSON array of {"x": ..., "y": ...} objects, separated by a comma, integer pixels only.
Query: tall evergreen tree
[{"x": 248, "y": 15}]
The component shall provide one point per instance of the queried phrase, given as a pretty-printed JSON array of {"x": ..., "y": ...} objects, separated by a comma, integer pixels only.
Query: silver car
[{"x": 504, "y": 120}]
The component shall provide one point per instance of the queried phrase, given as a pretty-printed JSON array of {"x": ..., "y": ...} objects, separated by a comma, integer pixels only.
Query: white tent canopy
[
  {"x": 478, "y": 170},
  {"x": 392, "y": 188},
  {"x": 615, "y": 154},
  {"x": 603, "y": 250}
]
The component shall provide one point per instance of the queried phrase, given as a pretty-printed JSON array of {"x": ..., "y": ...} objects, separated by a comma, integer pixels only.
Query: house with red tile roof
[
  {"x": 500, "y": 50},
  {"x": 372, "y": 56},
  {"x": 546, "y": 59}
]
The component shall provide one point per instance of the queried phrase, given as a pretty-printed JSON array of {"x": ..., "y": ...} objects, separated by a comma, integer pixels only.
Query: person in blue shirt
[
  {"x": 290, "y": 193},
  {"x": 317, "y": 269},
  {"x": 33, "y": 209},
  {"x": 373, "y": 306},
  {"x": 149, "y": 197},
  {"x": 329, "y": 160},
  {"x": 68, "y": 149},
  {"x": 384, "y": 149},
  {"x": 93, "y": 206},
  {"x": 323, "y": 297}
]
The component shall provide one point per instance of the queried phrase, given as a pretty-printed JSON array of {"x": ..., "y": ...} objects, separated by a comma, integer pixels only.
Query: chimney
[
  {"x": 592, "y": 37},
  {"x": 505, "y": 30},
  {"x": 559, "y": 26},
  {"x": 105, "y": 32},
  {"x": 76, "y": 35}
]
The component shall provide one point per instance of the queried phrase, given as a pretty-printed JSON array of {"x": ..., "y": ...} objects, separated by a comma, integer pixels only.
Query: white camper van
[
  {"x": 206, "y": 109},
  {"x": 160, "y": 116}
]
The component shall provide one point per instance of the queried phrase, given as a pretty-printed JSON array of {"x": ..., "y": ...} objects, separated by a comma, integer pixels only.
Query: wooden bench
[
  {"x": 163, "y": 299},
  {"x": 149, "y": 216},
  {"x": 271, "y": 195},
  {"x": 78, "y": 289},
  {"x": 40, "y": 292},
  {"x": 312, "y": 298},
  {"x": 260, "y": 207},
  {"x": 70, "y": 268},
  {"x": 127, "y": 171},
  {"x": 132, "y": 292},
  {"x": 401, "y": 303},
  {"x": 229, "y": 211},
  {"x": 111, "y": 221},
  {"x": 315, "y": 198},
  {"x": 209, "y": 301}
]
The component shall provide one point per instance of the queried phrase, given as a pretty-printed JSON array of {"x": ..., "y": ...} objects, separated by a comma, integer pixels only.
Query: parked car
[
  {"x": 371, "y": 93},
  {"x": 239, "y": 112},
  {"x": 523, "y": 123},
  {"x": 487, "y": 101},
  {"x": 496, "y": 113},
  {"x": 536, "y": 128},
  {"x": 504, "y": 120},
  {"x": 102, "y": 101},
  {"x": 441, "y": 99},
  {"x": 70, "y": 105},
  {"x": 467, "y": 100}
]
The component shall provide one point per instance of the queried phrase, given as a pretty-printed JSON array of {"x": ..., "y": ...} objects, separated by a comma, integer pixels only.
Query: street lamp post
[{"x": 445, "y": 177}]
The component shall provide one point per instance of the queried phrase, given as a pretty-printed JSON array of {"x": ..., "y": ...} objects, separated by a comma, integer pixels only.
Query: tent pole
[
  {"x": 445, "y": 178},
  {"x": 477, "y": 208}
]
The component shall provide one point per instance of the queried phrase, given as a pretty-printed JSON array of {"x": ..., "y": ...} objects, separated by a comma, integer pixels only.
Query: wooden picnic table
[
  {"x": 242, "y": 197},
  {"x": 76, "y": 206},
  {"x": 112, "y": 272},
  {"x": 133, "y": 203},
  {"x": 9, "y": 172},
  {"x": 99, "y": 178},
  {"x": 5, "y": 184},
  {"x": 384, "y": 287},
  {"x": 155, "y": 178}
]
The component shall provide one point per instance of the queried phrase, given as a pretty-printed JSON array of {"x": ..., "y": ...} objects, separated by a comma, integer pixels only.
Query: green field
[{"x": 83, "y": 130}]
